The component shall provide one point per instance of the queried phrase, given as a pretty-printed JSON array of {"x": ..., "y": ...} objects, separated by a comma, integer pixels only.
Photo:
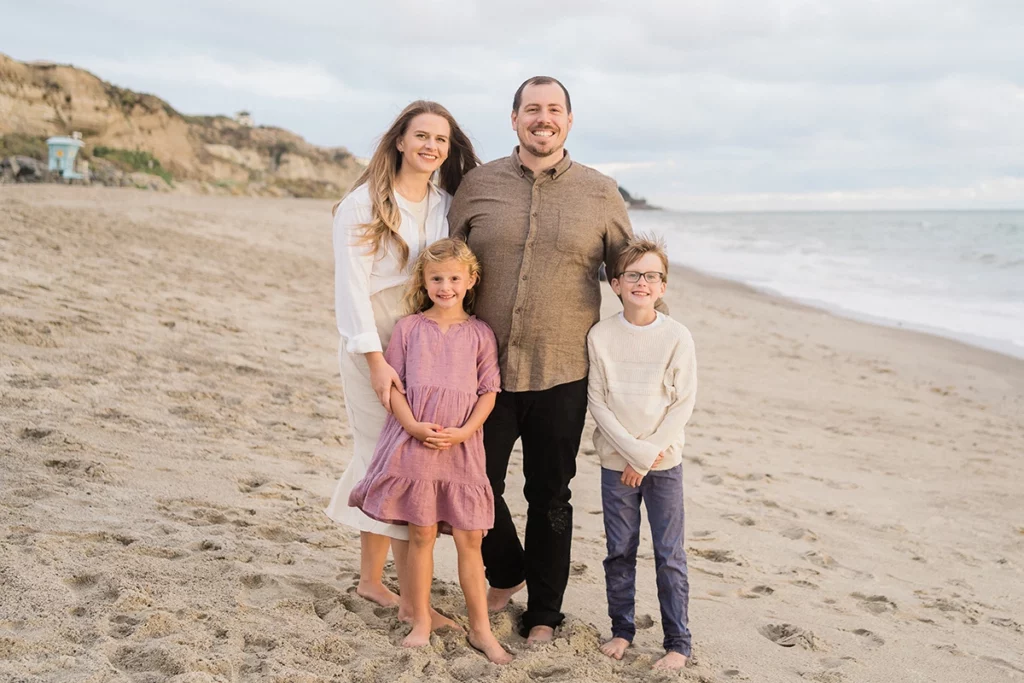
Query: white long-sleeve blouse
[{"x": 358, "y": 274}]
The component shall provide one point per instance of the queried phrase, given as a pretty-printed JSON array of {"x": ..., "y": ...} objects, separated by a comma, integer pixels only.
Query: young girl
[
  {"x": 428, "y": 471},
  {"x": 395, "y": 209}
]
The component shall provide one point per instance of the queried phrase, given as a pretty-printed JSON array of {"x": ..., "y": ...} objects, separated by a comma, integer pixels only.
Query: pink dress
[{"x": 443, "y": 374}]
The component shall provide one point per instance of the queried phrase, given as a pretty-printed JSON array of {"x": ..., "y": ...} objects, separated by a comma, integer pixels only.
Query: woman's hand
[
  {"x": 382, "y": 378},
  {"x": 450, "y": 436}
]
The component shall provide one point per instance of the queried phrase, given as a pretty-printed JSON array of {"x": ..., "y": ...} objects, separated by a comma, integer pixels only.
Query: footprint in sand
[
  {"x": 796, "y": 533},
  {"x": 714, "y": 555},
  {"x": 869, "y": 639},
  {"x": 644, "y": 621},
  {"x": 820, "y": 559},
  {"x": 742, "y": 520},
  {"x": 145, "y": 659},
  {"x": 122, "y": 626},
  {"x": 578, "y": 568},
  {"x": 1005, "y": 623},
  {"x": 788, "y": 635},
  {"x": 876, "y": 604},
  {"x": 756, "y": 592}
]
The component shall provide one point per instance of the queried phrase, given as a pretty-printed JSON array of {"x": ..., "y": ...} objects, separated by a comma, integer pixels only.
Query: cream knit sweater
[{"x": 642, "y": 388}]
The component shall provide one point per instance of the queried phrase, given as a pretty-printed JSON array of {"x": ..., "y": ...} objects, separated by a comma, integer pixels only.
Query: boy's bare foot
[
  {"x": 498, "y": 598},
  {"x": 419, "y": 636},
  {"x": 489, "y": 645},
  {"x": 540, "y": 634},
  {"x": 377, "y": 592},
  {"x": 615, "y": 647},
  {"x": 671, "y": 660}
]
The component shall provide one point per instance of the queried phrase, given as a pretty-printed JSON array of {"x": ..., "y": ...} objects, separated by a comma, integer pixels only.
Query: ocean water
[{"x": 955, "y": 273}]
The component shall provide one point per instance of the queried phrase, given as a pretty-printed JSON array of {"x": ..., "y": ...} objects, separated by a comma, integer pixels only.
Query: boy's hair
[
  {"x": 416, "y": 298},
  {"x": 636, "y": 249}
]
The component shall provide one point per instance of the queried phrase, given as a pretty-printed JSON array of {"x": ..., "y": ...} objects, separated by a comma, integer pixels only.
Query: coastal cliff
[{"x": 146, "y": 141}]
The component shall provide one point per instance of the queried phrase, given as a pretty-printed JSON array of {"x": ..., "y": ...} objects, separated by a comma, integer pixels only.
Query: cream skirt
[{"x": 366, "y": 418}]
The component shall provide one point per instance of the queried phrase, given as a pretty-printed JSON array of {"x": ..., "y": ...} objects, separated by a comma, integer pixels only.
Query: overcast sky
[{"x": 716, "y": 104}]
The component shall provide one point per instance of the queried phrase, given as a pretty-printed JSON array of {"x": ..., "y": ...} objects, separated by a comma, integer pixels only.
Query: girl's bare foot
[
  {"x": 377, "y": 592},
  {"x": 489, "y": 645},
  {"x": 438, "y": 621},
  {"x": 540, "y": 634},
  {"x": 498, "y": 598},
  {"x": 671, "y": 660},
  {"x": 615, "y": 647},
  {"x": 419, "y": 636}
]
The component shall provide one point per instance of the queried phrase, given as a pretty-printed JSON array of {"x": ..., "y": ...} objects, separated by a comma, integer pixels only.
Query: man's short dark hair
[{"x": 540, "y": 80}]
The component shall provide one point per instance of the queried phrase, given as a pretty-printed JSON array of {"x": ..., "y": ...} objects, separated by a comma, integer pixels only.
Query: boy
[{"x": 642, "y": 387}]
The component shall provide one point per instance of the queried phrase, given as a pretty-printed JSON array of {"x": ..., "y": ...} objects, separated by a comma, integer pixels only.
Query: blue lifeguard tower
[{"x": 63, "y": 151}]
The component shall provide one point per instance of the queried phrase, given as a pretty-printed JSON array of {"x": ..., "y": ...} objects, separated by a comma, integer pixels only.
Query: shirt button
[
  {"x": 513, "y": 343},
  {"x": 524, "y": 278},
  {"x": 519, "y": 309}
]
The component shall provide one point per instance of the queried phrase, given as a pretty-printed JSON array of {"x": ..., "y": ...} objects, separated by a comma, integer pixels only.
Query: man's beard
[{"x": 537, "y": 152}]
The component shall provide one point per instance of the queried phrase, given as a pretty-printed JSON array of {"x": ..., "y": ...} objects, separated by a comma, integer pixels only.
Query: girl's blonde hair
[
  {"x": 416, "y": 298},
  {"x": 381, "y": 233}
]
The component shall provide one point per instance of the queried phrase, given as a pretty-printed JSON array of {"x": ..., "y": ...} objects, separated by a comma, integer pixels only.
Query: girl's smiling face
[{"x": 447, "y": 283}]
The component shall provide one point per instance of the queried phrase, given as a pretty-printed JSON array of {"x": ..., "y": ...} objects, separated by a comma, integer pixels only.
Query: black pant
[{"x": 550, "y": 423}]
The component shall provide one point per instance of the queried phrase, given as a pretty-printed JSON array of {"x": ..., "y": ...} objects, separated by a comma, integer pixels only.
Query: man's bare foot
[
  {"x": 671, "y": 660},
  {"x": 377, "y": 592},
  {"x": 438, "y": 621},
  {"x": 498, "y": 598},
  {"x": 419, "y": 636},
  {"x": 615, "y": 647},
  {"x": 489, "y": 645},
  {"x": 540, "y": 634}
]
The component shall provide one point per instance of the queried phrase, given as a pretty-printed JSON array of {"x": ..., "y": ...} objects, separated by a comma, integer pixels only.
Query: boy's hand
[
  {"x": 631, "y": 478},
  {"x": 426, "y": 432},
  {"x": 450, "y": 436},
  {"x": 657, "y": 461}
]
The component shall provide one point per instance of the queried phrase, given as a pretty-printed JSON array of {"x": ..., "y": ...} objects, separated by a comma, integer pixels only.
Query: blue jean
[{"x": 662, "y": 493}]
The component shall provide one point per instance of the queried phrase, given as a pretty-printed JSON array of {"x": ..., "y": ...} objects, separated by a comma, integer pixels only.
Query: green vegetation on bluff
[{"x": 134, "y": 160}]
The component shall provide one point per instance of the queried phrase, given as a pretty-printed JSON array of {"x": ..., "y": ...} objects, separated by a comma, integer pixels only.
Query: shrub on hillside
[
  {"x": 17, "y": 144},
  {"x": 134, "y": 160}
]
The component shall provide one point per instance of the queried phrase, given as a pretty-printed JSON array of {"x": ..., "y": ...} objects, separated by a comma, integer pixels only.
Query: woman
[{"x": 393, "y": 212}]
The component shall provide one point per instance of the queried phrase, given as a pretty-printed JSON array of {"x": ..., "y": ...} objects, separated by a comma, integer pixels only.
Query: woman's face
[{"x": 424, "y": 145}]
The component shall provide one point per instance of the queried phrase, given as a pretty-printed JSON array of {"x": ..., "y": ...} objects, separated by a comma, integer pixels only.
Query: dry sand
[{"x": 172, "y": 425}]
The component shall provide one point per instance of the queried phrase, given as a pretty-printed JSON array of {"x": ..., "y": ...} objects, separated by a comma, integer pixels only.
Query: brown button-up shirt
[{"x": 540, "y": 240}]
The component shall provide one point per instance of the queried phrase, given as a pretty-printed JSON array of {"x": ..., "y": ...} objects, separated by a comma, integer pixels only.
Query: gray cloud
[{"x": 688, "y": 102}]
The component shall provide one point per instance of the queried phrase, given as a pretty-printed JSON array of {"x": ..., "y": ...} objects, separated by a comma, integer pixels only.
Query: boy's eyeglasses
[{"x": 653, "y": 277}]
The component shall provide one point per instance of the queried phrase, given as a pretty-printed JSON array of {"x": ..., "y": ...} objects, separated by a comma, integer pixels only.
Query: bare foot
[
  {"x": 540, "y": 634},
  {"x": 615, "y": 647},
  {"x": 489, "y": 645},
  {"x": 438, "y": 621},
  {"x": 671, "y": 660},
  {"x": 377, "y": 592},
  {"x": 498, "y": 598},
  {"x": 419, "y": 636}
]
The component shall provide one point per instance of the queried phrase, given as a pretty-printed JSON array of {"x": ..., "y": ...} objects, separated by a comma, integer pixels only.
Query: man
[{"x": 541, "y": 226}]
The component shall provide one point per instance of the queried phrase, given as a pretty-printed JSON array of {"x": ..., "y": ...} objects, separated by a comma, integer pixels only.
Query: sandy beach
[{"x": 173, "y": 424}]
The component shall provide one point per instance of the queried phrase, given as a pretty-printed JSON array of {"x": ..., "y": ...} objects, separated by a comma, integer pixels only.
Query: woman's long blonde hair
[
  {"x": 381, "y": 233},
  {"x": 416, "y": 298}
]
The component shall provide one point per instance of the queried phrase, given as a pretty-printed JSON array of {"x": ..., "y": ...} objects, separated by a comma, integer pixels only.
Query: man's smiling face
[{"x": 542, "y": 121}]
